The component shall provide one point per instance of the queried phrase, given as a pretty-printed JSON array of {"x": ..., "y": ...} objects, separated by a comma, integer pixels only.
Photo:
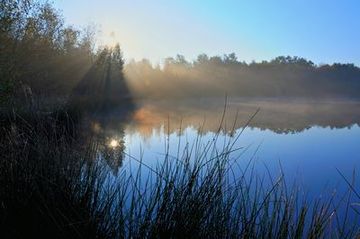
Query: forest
[
  {"x": 282, "y": 77},
  {"x": 41, "y": 57}
]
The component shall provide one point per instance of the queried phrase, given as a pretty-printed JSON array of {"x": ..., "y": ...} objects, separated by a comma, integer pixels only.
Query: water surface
[{"x": 306, "y": 140}]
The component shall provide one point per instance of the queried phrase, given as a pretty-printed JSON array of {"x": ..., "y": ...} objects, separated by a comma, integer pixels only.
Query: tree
[
  {"x": 70, "y": 39},
  {"x": 117, "y": 57},
  {"x": 230, "y": 58},
  {"x": 216, "y": 60},
  {"x": 180, "y": 60},
  {"x": 202, "y": 59}
]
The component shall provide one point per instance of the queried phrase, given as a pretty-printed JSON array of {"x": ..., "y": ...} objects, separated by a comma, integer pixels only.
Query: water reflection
[
  {"x": 113, "y": 153},
  {"x": 277, "y": 115},
  {"x": 276, "y": 136},
  {"x": 309, "y": 140},
  {"x": 107, "y": 132},
  {"x": 205, "y": 116},
  {"x": 114, "y": 143}
]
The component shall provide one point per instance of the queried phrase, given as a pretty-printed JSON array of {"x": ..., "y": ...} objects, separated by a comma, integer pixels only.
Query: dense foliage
[{"x": 41, "y": 56}]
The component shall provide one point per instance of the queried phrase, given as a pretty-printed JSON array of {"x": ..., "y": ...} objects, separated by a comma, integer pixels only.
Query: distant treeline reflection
[{"x": 280, "y": 116}]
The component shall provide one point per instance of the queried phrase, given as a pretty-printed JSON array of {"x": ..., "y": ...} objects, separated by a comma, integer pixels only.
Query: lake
[{"x": 306, "y": 140}]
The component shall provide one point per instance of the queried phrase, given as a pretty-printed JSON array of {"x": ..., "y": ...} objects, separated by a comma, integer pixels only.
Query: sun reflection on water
[{"x": 114, "y": 143}]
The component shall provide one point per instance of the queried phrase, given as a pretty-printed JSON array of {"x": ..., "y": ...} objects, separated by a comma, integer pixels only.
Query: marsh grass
[{"x": 54, "y": 185}]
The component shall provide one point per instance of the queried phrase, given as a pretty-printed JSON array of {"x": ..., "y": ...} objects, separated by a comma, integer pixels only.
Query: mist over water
[
  {"x": 286, "y": 115},
  {"x": 298, "y": 135},
  {"x": 99, "y": 146}
]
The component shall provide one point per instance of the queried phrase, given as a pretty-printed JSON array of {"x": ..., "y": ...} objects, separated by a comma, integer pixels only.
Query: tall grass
[{"x": 56, "y": 185}]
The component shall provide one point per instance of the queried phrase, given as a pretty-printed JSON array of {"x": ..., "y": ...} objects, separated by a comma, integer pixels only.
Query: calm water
[
  {"x": 307, "y": 140},
  {"x": 311, "y": 157}
]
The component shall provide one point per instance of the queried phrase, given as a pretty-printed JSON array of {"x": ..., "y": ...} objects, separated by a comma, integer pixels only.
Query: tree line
[
  {"x": 41, "y": 55},
  {"x": 283, "y": 76}
]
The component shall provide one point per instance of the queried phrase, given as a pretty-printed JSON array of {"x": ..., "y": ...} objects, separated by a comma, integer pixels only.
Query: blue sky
[{"x": 324, "y": 31}]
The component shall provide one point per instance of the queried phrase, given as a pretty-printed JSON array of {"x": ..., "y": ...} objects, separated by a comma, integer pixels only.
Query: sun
[{"x": 110, "y": 40}]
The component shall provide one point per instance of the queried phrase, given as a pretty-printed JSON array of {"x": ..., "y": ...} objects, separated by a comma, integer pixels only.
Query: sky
[{"x": 324, "y": 31}]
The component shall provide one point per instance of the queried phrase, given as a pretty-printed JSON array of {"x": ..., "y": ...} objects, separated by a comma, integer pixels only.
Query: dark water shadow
[{"x": 103, "y": 102}]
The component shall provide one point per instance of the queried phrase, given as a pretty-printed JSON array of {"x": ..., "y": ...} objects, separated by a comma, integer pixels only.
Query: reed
[{"x": 56, "y": 185}]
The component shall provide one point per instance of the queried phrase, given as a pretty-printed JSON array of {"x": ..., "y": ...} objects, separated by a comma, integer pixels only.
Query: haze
[{"x": 179, "y": 119}]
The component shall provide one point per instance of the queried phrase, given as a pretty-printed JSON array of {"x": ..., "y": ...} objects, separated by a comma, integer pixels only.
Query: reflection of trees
[
  {"x": 40, "y": 56},
  {"x": 113, "y": 154},
  {"x": 106, "y": 132},
  {"x": 103, "y": 97},
  {"x": 279, "y": 116}
]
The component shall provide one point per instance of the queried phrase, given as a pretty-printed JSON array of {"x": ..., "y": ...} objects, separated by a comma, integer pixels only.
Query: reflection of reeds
[{"x": 51, "y": 187}]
